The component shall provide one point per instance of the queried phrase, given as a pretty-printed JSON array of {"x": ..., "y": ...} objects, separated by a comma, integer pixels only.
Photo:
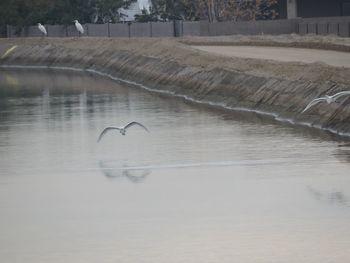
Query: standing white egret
[
  {"x": 42, "y": 29},
  {"x": 122, "y": 130},
  {"x": 327, "y": 98},
  {"x": 79, "y": 27}
]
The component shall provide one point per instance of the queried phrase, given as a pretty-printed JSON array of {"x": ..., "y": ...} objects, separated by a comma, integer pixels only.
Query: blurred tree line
[
  {"x": 211, "y": 10},
  {"x": 30, "y": 12}
]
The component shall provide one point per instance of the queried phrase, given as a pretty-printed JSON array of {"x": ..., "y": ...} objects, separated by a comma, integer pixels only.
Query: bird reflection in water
[
  {"x": 333, "y": 197},
  {"x": 111, "y": 171}
]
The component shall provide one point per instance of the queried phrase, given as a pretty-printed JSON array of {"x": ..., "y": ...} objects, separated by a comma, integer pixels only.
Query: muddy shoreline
[{"x": 278, "y": 89}]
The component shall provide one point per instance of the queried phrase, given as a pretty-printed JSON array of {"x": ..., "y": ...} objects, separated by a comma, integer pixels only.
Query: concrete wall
[
  {"x": 97, "y": 30},
  {"x": 119, "y": 30},
  {"x": 322, "y": 26},
  {"x": 319, "y": 8},
  {"x": 163, "y": 29},
  {"x": 191, "y": 28},
  {"x": 56, "y": 31},
  {"x": 344, "y": 29},
  {"x": 141, "y": 30},
  {"x": 325, "y": 26},
  {"x": 30, "y": 31},
  {"x": 71, "y": 31},
  {"x": 249, "y": 28}
]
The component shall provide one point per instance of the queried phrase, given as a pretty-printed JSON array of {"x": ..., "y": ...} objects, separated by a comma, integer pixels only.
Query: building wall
[
  {"x": 320, "y": 8},
  {"x": 292, "y": 9},
  {"x": 313, "y": 8},
  {"x": 282, "y": 9},
  {"x": 134, "y": 9}
]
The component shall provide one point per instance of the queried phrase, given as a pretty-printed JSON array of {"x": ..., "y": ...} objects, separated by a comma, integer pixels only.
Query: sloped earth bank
[{"x": 278, "y": 89}]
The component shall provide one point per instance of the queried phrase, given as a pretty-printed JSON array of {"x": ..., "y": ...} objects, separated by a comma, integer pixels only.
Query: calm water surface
[{"x": 203, "y": 186}]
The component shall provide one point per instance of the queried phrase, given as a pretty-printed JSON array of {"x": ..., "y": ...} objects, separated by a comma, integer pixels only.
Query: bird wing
[
  {"x": 340, "y": 94},
  {"x": 135, "y": 123},
  {"x": 313, "y": 102},
  {"x": 105, "y": 131}
]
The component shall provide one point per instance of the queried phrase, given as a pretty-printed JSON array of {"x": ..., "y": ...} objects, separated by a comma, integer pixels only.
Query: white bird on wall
[
  {"x": 122, "y": 130},
  {"x": 42, "y": 29},
  {"x": 326, "y": 98},
  {"x": 79, "y": 27}
]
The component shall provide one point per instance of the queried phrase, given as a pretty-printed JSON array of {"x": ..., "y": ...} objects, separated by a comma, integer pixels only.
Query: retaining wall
[
  {"x": 325, "y": 26},
  {"x": 272, "y": 27}
]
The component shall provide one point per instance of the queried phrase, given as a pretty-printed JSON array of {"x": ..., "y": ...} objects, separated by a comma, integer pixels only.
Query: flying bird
[
  {"x": 326, "y": 98},
  {"x": 79, "y": 27},
  {"x": 42, "y": 29},
  {"x": 122, "y": 130}
]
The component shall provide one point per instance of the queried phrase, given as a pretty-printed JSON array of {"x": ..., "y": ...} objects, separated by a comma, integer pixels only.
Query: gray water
[{"x": 205, "y": 185}]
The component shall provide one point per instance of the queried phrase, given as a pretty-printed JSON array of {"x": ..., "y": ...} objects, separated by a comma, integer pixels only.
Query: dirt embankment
[
  {"x": 297, "y": 41},
  {"x": 281, "y": 89}
]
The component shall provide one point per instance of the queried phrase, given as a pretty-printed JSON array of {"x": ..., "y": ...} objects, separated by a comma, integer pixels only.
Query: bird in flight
[
  {"x": 326, "y": 98},
  {"x": 79, "y": 27},
  {"x": 42, "y": 29},
  {"x": 122, "y": 130}
]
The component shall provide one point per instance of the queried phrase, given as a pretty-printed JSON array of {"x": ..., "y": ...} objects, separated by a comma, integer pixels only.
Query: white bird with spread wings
[
  {"x": 326, "y": 98},
  {"x": 122, "y": 130}
]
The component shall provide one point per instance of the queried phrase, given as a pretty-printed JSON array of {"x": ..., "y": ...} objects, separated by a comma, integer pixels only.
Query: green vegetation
[{"x": 31, "y": 12}]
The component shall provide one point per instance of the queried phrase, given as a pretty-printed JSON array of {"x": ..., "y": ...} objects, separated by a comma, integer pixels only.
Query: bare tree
[{"x": 221, "y": 10}]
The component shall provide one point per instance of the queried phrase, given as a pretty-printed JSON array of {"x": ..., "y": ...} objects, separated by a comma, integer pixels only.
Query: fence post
[
  {"x": 8, "y": 31},
  {"x": 182, "y": 28},
  {"x": 176, "y": 28},
  {"x": 328, "y": 28},
  {"x": 151, "y": 29},
  {"x": 129, "y": 29}
]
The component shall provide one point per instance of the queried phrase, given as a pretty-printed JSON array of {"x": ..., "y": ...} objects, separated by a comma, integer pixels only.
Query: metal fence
[{"x": 323, "y": 26}]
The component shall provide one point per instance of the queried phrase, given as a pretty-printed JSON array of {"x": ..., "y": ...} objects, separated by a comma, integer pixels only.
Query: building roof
[{"x": 134, "y": 9}]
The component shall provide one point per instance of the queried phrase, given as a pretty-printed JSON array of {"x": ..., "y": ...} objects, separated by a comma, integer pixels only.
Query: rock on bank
[{"x": 280, "y": 89}]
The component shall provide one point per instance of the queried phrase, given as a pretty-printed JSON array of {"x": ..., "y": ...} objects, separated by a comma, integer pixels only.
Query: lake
[{"x": 204, "y": 185}]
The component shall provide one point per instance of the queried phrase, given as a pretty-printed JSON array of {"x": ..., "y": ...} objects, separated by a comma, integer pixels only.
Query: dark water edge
[{"x": 245, "y": 113}]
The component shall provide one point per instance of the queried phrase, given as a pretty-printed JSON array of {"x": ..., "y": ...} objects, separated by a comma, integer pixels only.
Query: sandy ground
[
  {"x": 330, "y": 42},
  {"x": 332, "y": 58}
]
